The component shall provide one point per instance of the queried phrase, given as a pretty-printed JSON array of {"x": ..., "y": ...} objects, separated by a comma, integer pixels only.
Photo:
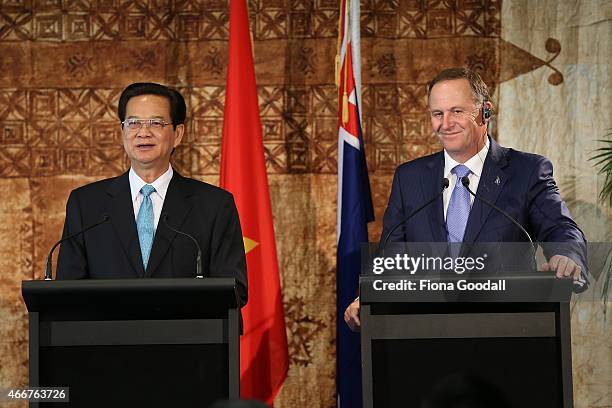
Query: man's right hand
[{"x": 351, "y": 316}]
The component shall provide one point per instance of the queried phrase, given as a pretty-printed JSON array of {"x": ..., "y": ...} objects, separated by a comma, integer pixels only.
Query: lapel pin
[{"x": 497, "y": 180}]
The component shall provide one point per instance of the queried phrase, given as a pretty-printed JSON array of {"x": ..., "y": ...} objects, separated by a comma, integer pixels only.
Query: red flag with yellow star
[{"x": 263, "y": 346}]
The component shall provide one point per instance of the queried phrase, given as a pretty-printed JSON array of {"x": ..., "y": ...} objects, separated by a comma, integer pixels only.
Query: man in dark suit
[
  {"x": 520, "y": 183},
  {"x": 135, "y": 241}
]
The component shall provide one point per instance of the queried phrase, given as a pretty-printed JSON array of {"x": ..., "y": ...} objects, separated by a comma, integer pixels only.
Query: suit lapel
[
  {"x": 177, "y": 206},
  {"x": 121, "y": 212},
  {"x": 431, "y": 185},
  {"x": 492, "y": 181}
]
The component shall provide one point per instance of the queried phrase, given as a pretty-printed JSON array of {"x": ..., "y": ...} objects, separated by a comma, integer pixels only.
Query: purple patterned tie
[{"x": 458, "y": 209}]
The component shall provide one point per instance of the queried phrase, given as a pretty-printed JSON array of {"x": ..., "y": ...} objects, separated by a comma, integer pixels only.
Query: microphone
[
  {"x": 48, "y": 272},
  {"x": 199, "y": 274},
  {"x": 445, "y": 184},
  {"x": 580, "y": 284},
  {"x": 466, "y": 183}
]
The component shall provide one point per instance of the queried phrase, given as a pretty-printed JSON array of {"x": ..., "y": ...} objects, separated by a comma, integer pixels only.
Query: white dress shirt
[
  {"x": 475, "y": 164},
  {"x": 157, "y": 197}
]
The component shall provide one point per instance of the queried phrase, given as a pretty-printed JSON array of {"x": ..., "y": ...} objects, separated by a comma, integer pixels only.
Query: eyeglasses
[{"x": 134, "y": 124}]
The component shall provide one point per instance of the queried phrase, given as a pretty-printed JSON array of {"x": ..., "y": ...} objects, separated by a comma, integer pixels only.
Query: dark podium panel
[
  {"x": 510, "y": 348},
  {"x": 135, "y": 342}
]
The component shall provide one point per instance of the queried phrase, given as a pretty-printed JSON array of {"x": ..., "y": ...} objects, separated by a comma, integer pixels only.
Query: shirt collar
[
  {"x": 475, "y": 163},
  {"x": 161, "y": 183}
]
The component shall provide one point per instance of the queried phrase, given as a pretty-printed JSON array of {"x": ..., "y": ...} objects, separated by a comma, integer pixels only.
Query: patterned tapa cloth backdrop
[{"x": 63, "y": 64}]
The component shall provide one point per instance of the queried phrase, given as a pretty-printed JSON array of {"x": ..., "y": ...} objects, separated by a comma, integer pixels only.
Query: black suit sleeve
[
  {"x": 394, "y": 212},
  {"x": 227, "y": 256},
  {"x": 548, "y": 215},
  {"x": 550, "y": 218},
  {"x": 72, "y": 259}
]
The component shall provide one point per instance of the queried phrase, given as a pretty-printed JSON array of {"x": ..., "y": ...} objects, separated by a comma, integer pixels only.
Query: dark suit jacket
[
  {"x": 520, "y": 183},
  {"x": 112, "y": 249}
]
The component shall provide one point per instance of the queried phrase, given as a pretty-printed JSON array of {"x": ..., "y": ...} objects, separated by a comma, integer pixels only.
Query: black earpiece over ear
[{"x": 486, "y": 112}]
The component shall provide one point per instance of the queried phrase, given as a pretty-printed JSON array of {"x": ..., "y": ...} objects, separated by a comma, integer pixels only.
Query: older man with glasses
[{"x": 133, "y": 243}]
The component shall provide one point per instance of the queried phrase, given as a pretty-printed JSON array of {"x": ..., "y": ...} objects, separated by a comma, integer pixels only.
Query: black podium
[
  {"x": 422, "y": 345},
  {"x": 135, "y": 342}
]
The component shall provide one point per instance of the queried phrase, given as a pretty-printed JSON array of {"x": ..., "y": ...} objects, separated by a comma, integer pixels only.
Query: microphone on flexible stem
[
  {"x": 466, "y": 183},
  {"x": 199, "y": 274},
  {"x": 48, "y": 271},
  {"x": 445, "y": 184}
]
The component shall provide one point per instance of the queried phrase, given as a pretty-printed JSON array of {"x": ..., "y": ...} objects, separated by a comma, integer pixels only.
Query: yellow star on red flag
[{"x": 249, "y": 244}]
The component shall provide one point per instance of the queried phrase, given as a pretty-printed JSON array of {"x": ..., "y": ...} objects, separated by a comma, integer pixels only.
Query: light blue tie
[
  {"x": 144, "y": 223},
  {"x": 458, "y": 209}
]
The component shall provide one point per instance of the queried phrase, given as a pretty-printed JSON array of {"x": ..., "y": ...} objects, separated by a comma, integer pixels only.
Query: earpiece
[{"x": 486, "y": 112}]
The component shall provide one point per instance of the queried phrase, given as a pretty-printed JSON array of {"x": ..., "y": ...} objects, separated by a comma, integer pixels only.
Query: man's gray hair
[{"x": 479, "y": 88}]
